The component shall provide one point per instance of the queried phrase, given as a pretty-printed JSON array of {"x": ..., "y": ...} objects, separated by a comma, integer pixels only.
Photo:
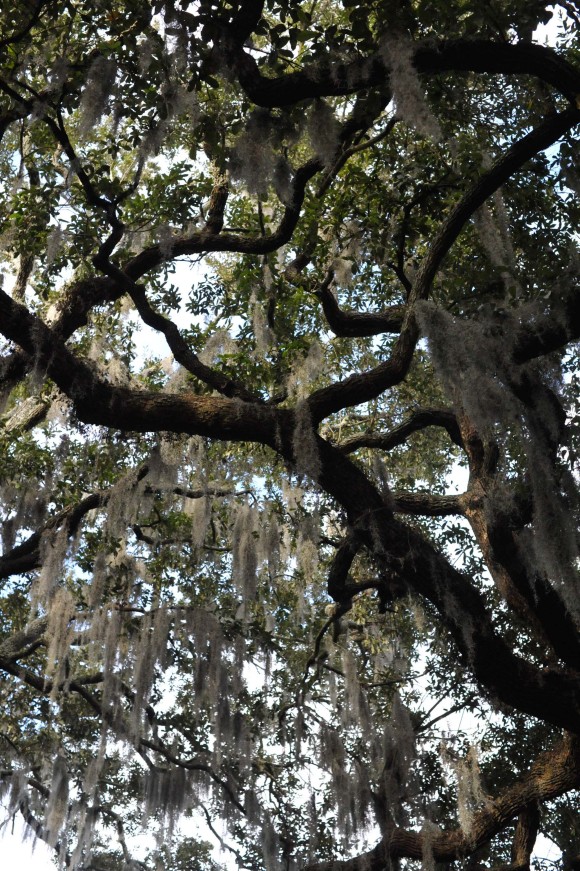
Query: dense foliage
[{"x": 276, "y": 277}]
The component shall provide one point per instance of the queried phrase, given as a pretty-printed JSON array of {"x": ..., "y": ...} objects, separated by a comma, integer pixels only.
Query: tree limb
[
  {"x": 417, "y": 421},
  {"x": 365, "y": 386},
  {"x": 428, "y": 504},
  {"x": 354, "y": 323},
  {"x": 333, "y": 77},
  {"x": 554, "y": 773}
]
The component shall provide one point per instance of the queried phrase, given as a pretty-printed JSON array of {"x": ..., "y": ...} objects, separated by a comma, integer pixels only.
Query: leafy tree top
[{"x": 274, "y": 275}]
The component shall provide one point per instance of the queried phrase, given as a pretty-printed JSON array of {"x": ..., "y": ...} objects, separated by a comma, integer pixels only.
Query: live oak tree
[{"x": 277, "y": 275}]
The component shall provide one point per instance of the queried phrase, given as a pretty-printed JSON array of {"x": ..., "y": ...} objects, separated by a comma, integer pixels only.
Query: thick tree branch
[
  {"x": 511, "y": 161},
  {"x": 72, "y": 311},
  {"x": 353, "y": 323},
  {"x": 365, "y": 386},
  {"x": 96, "y": 401},
  {"x": 550, "y": 695},
  {"x": 26, "y": 556},
  {"x": 525, "y": 836},
  {"x": 180, "y": 348},
  {"x": 428, "y": 504},
  {"x": 215, "y": 214},
  {"x": 337, "y": 583},
  {"x": 540, "y": 335},
  {"x": 13, "y": 646},
  {"x": 246, "y": 19},
  {"x": 339, "y": 78},
  {"x": 417, "y": 421},
  {"x": 202, "y": 243},
  {"x": 554, "y": 773},
  {"x": 497, "y": 528}
]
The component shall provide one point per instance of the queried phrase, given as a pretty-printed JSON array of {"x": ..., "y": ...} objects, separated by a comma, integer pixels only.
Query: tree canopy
[{"x": 276, "y": 277}]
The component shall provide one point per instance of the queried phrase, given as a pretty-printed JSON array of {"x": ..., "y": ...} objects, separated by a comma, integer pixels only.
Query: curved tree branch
[
  {"x": 339, "y": 78},
  {"x": 428, "y": 504},
  {"x": 554, "y": 773},
  {"x": 418, "y": 420},
  {"x": 354, "y": 323},
  {"x": 551, "y": 695},
  {"x": 365, "y": 386}
]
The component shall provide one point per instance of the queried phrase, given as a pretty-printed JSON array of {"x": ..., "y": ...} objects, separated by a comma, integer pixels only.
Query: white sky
[{"x": 17, "y": 854}]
